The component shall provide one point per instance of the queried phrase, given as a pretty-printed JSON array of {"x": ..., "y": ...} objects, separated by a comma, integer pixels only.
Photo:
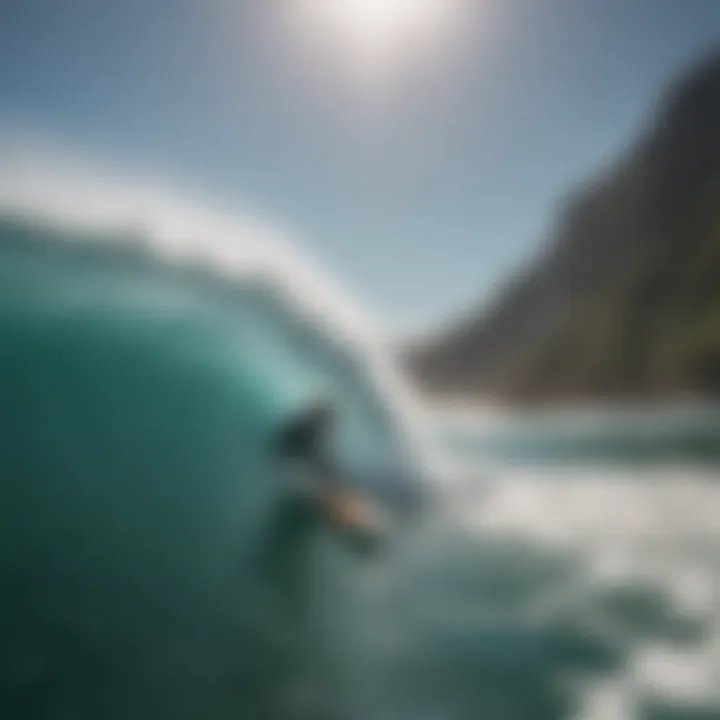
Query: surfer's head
[{"x": 306, "y": 435}]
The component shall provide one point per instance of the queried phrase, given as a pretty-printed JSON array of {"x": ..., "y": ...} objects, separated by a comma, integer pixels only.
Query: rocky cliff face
[{"x": 625, "y": 301}]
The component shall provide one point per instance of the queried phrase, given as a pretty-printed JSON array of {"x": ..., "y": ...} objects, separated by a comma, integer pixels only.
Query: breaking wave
[{"x": 149, "y": 352}]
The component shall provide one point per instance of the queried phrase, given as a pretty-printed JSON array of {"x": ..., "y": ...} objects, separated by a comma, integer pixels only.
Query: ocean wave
[{"x": 149, "y": 352}]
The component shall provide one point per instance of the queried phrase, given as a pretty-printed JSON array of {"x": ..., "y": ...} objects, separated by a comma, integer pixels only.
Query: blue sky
[{"x": 421, "y": 199}]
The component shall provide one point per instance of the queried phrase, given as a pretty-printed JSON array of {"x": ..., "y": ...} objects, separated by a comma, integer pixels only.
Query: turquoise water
[{"x": 576, "y": 576}]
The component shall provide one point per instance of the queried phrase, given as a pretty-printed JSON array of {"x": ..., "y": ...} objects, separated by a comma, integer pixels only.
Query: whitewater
[{"x": 150, "y": 349}]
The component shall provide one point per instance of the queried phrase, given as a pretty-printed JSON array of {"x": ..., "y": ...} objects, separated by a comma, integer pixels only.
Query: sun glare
[{"x": 378, "y": 35}]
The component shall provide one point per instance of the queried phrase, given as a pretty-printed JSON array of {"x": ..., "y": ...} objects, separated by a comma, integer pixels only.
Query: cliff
[{"x": 624, "y": 302}]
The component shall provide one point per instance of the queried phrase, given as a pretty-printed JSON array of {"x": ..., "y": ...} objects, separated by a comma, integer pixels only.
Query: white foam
[{"x": 656, "y": 526}]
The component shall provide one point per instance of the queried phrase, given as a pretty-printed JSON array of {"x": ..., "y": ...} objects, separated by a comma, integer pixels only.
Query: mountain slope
[{"x": 625, "y": 301}]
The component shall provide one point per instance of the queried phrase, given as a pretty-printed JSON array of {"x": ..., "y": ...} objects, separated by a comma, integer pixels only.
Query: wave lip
[{"x": 80, "y": 202}]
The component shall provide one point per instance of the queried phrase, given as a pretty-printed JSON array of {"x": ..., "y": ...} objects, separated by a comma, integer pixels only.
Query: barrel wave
[{"x": 141, "y": 395}]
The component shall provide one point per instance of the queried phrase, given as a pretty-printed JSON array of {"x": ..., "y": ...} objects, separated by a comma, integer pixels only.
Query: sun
[{"x": 379, "y": 35}]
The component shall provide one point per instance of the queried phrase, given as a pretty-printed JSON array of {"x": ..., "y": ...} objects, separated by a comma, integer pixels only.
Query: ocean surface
[
  {"x": 574, "y": 572},
  {"x": 606, "y": 525}
]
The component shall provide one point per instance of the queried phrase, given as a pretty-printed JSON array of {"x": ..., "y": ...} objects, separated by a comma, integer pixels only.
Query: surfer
[{"x": 318, "y": 487}]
